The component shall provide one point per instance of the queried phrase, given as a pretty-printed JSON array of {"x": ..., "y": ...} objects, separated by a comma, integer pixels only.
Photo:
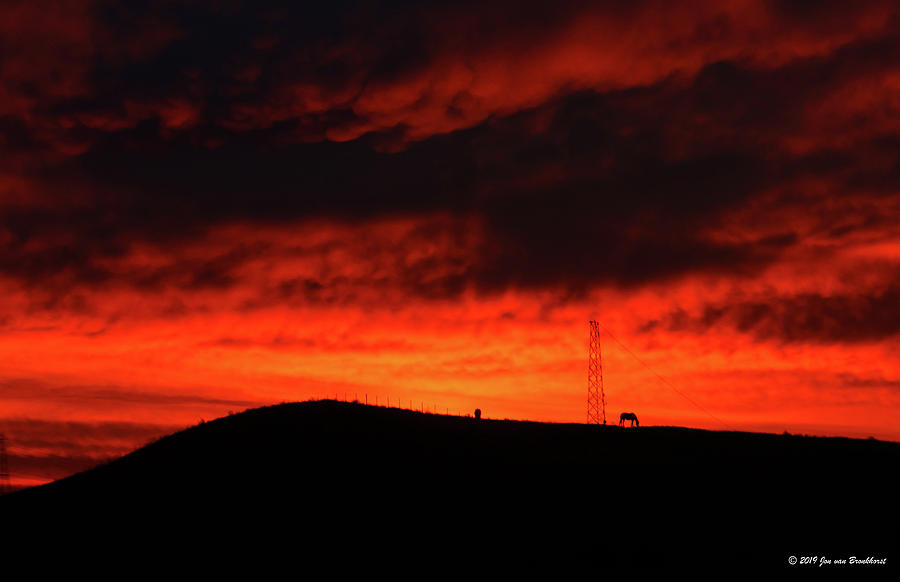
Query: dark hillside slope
[{"x": 347, "y": 483}]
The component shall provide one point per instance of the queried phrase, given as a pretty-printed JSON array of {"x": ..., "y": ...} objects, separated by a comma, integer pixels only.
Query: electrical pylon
[
  {"x": 4, "y": 467},
  {"x": 596, "y": 404}
]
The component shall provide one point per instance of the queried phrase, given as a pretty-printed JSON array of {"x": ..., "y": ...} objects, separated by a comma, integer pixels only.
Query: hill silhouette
[{"x": 351, "y": 486}]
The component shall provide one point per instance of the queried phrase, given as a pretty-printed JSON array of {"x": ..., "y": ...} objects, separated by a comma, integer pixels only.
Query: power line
[{"x": 663, "y": 380}]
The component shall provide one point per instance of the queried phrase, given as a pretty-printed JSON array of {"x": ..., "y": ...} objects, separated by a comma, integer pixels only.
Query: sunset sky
[{"x": 212, "y": 206}]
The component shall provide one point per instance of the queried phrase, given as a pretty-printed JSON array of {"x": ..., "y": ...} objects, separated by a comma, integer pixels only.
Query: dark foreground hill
[{"x": 354, "y": 488}]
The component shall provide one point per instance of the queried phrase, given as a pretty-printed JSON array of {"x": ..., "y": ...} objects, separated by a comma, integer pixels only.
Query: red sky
[{"x": 208, "y": 208}]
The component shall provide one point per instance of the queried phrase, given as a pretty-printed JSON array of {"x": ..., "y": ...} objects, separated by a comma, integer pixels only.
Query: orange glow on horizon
[{"x": 514, "y": 355}]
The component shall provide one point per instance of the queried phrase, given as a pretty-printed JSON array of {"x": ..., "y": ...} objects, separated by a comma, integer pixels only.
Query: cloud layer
[{"x": 198, "y": 202}]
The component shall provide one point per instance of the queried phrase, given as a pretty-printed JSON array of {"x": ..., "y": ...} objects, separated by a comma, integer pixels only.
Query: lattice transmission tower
[
  {"x": 4, "y": 467},
  {"x": 596, "y": 403}
]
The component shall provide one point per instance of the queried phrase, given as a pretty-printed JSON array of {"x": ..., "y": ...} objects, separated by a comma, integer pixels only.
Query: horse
[{"x": 628, "y": 416}]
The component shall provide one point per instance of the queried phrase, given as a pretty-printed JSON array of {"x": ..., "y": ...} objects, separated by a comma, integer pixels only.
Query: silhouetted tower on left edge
[
  {"x": 4, "y": 467},
  {"x": 596, "y": 409}
]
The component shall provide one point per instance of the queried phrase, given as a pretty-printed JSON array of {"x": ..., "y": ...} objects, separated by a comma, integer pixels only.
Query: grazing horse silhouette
[{"x": 628, "y": 416}]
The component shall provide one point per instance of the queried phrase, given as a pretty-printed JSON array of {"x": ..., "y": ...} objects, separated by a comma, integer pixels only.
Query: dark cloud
[
  {"x": 46, "y": 449},
  {"x": 30, "y": 433},
  {"x": 30, "y": 389},
  {"x": 182, "y": 117},
  {"x": 868, "y": 382},
  {"x": 808, "y": 318},
  {"x": 646, "y": 214},
  {"x": 49, "y": 467}
]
